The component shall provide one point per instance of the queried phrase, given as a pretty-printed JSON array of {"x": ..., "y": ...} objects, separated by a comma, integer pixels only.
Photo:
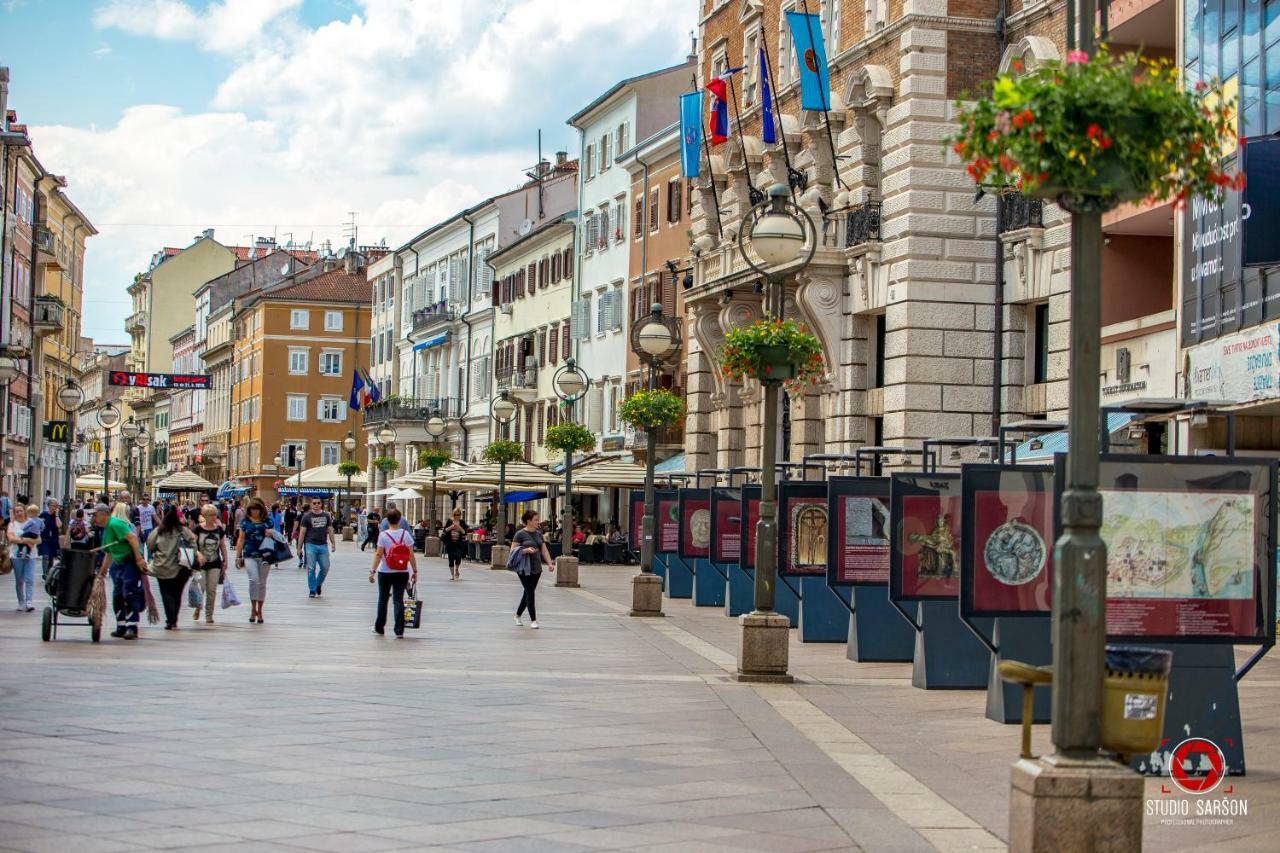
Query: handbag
[
  {"x": 186, "y": 556},
  {"x": 412, "y": 609},
  {"x": 229, "y": 597},
  {"x": 195, "y": 598}
]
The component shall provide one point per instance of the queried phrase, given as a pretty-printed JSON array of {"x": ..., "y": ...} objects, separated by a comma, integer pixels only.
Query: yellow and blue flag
[
  {"x": 768, "y": 131},
  {"x": 815, "y": 87},
  {"x": 691, "y": 133}
]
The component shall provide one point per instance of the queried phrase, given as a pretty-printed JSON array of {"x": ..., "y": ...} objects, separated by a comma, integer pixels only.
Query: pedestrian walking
[
  {"x": 372, "y": 527},
  {"x": 252, "y": 539},
  {"x": 50, "y": 531},
  {"x": 211, "y": 559},
  {"x": 455, "y": 544},
  {"x": 394, "y": 566},
  {"x": 315, "y": 534},
  {"x": 166, "y": 545},
  {"x": 146, "y": 518},
  {"x": 23, "y": 540},
  {"x": 528, "y": 557},
  {"x": 123, "y": 560}
]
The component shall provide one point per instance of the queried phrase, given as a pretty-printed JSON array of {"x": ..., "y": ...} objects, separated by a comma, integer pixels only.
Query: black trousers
[
  {"x": 171, "y": 595},
  {"x": 455, "y": 556},
  {"x": 530, "y": 584},
  {"x": 391, "y": 585}
]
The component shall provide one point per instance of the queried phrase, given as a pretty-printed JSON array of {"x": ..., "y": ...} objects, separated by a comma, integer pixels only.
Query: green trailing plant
[
  {"x": 504, "y": 450},
  {"x": 780, "y": 350},
  {"x": 648, "y": 410},
  {"x": 1091, "y": 133},
  {"x": 569, "y": 437},
  {"x": 433, "y": 458},
  {"x": 386, "y": 464},
  {"x": 349, "y": 469}
]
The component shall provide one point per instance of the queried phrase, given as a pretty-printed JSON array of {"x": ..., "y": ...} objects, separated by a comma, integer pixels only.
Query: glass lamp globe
[
  {"x": 503, "y": 410},
  {"x": 108, "y": 416},
  {"x": 654, "y": 339},
  {"x": 142, "y": 439},
  {"x": 570, "y": 383},
  {"x": 8, "y": 369},
  {"x": 279, "y": 460},
  {"x": 388, "y": 434},
  {"x": 349, "y": 443},
  {"x": 130, "y": 429},
  {"x": 301, "y": 457},
  {"x": 777, "y": 238},
  {"x": 435, "y": 426},
  {"x": 70, "y": 397}
]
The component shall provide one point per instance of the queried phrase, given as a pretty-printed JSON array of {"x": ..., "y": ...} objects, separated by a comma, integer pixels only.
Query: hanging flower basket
[
  {"x": 386, "y": 464},
  {"x": 433, "y": 458},
  {"x": 649, "y": 410},
  {"x": 348, "y": 469},
  {"x": 504, "y": 450},
  {"x": 1091, "y": 133},
  {"x": 569, "y": 437},
  {"x": 773, "y": 351}
]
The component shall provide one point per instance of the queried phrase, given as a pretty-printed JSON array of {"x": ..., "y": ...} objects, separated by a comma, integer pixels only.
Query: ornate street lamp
[
  {"x": 782, "y": 237},
  {"x": 655, "y": 339},
  {"x": 141, "y": 440},
  {"x": 435, "y": 426},
  {"x": 570, "y": 383},
  {"x": 502, "y": 410},
  {"x": 108, "y": 418},
  {"x": 349, "y": 445},
  {"x": 10, "y": 367},
  {"x": 70, "y": 398},
  {"x": 129, "y": 431}
]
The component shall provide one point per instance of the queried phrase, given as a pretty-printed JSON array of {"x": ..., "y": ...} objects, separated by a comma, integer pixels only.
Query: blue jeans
[
  {"x": 127, "y": 597},
  {"x": 317, "y": 565},
  {"x": 24, "y": 580}
]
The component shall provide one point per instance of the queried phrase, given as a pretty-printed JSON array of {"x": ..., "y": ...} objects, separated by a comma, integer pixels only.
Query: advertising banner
[
  {"x": 1007, "y": 527},
  {"x": 1239, "y": 367},
  {"x": 666, "y": 521},
  {"x": 695, "y": 523},
  {"x": 726, "y": 525},
  {"x": 749, "y": 512},
  {"x": 1190, "y": 547},
  {"x": 803, "y": 528},
  {"x": 858, "y": 550},
  {"x": 924, "y": 551}
]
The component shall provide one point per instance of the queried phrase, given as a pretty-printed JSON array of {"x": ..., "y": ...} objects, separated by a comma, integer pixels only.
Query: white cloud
[
  {"x": 103, "y": 49},
  {"x": 405, "y": 112}
]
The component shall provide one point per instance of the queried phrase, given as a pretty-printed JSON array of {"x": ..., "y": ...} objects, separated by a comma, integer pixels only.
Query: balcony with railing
[
  {"x": 517, "y": 378},
  {"x": 45, "y": 246},
  {"x": 136, "y": 322},
  {"x": 49, "y": 315},
  {"x": 1017, "y": 211},
  {"x": 412, "y": 409},
  {"x": 432, "y": 316}
]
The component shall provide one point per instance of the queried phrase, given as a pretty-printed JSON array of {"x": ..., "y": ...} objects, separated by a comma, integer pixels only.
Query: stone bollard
[
  {"x": 763, "y": 648},
  {"x": 431, "y": 548},
  {"x": 567, "y": 571},
  {"x": 348, "y": 534},
  {"x": 498, "y": 559},
  {"x": 646, "y": 595}
]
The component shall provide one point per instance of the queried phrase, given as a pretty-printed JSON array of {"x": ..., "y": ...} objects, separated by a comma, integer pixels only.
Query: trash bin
[
  {"x": 75, "y": 579},
  {"x": 1133, "y": 700}
]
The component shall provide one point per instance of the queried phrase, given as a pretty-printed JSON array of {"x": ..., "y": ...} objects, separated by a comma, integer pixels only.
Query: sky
[{"x": 282, "y": 117}]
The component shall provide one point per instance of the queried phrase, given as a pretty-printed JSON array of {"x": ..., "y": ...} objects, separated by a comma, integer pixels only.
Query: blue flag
[
  {"x": 691, "y": 134},
  {"x": 356, "y": 400},
  {"x": 767, "y": 132},
  {"x": 815, "y": 88},
  {"x": 374, "y": 395}
]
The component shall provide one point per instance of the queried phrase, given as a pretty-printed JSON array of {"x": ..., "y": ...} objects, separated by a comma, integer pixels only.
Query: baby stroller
[{"x": 68, "y": 585}]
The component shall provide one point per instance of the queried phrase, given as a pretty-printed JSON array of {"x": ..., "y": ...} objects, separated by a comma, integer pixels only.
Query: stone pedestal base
[
  {"x": 567, "y": 571},
  {"x": 348, "y": 534},
  {"x": 431, "y": 547},
  {"x": 498, "y": 558},
  {"x": 763, "y": 649},
  {"x": 1062, "y": 806},
  {"x": 646, "y": 594}
]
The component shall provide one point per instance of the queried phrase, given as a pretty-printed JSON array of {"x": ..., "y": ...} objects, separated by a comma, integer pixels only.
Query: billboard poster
[
  {"x": 924, "y": 551},
  {"x": 1007, "y": 527},
  {"x": 1239, "y": 367},
  {"x": 749, "y": 513},
  {"x": 858, "y": 549},
  {"x": 726, "y": 525},
  {"x": 1190, "y": 547},
  {"x": 666, "y": 521},
  {"x": 803, "y": 528},
  {"x": 695, "y": 524}
]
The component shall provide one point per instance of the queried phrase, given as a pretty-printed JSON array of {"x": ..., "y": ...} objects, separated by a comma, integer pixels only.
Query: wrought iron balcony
[
  {"x": 49, "y": 315},
  {"x": 432, "y": 316},
  {"x": 862, "y": 225},
  {"x": 517, "y": 379},
  {"x": 46, "y": 252},
  {"x": 1017, "y": 211},
  {"x": 136, "y": 322},
  {"x": 415, "y": 409}
]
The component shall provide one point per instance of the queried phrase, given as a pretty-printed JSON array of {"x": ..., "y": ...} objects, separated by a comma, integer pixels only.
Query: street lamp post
[
  {"x": 349, "y": 445},
  {"x": 70, "y": 398},
  {"x": 142, "y": 441},
  {"x": 387, "y": 437},
  {"x": 783, "y": 238},
  {"x": 435, "y": 427},
  {"x": 129, "y": 431},
  {"x": 570, "y": 383},
  {"x": 108, "y": 418},
  {"x": 655, "y": 339},
  {"x": 502, "y": 410}
]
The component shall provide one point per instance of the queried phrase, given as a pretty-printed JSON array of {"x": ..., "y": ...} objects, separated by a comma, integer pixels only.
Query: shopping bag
[
  {"x": 195, "y": 598},
  {"x": 229, "y": 597},
  {"x": 412, "y": 608}
]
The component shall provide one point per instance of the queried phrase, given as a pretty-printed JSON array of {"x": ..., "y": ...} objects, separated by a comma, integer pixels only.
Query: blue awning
[
  {"x": 513, "y": 497},
  {"x": 433, "y": 341},
  {"x": 1058, "y": 442},
  {"x": 674, "y": 465}
]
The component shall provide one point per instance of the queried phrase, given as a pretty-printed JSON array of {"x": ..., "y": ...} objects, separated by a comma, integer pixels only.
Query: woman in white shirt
[{"x": 392, "y": 581}]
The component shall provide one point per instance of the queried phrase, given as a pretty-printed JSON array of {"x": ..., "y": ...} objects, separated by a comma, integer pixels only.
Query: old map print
[{"x": 1178, "y": 544}]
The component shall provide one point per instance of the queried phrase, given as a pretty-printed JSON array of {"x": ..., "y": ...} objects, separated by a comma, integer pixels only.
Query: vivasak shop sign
[{"x": 178, "y": 381}]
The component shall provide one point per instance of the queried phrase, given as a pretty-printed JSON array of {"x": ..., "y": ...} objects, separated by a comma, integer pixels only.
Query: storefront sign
[
  {"x": 194, "y": 381},
  {"x": 802, "y": 528},
  {"x": 1239, "y": 367},
  {"x": 924, "y": 551},
  {"x": 858, "y": 554}
]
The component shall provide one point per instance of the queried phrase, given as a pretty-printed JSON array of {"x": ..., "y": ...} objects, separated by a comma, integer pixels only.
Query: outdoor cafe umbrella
[
  {"x": 94, "y": 484},
  {"x": 518, "y": 473},
  {"x": 326, "y": 477},
  {"x": 612, "y": 472},
  {"x": 185, "y": 481}
]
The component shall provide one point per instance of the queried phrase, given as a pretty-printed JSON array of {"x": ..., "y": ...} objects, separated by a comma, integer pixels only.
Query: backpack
[{"x": 400, "y": 555}]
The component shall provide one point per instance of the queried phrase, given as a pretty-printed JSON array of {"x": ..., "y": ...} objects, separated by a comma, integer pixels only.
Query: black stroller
[{"x": 68, "y": 585}]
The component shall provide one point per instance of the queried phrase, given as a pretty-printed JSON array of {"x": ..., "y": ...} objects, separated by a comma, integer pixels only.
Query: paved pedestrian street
[{"x": 597, "y": 732}]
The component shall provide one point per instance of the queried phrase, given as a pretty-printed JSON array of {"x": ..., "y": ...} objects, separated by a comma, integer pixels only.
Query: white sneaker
[
  {"x": 519, "y": 621},
  {"x": 533, "y": 624}
]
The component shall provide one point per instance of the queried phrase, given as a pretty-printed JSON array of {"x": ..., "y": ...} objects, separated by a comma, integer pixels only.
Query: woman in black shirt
[
  {"x": 528, "y": 557},
  {"x": 455, "y": 543}
]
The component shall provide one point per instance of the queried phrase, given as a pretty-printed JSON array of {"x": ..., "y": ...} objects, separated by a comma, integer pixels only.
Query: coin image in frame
[
  {"x": 700, "y": 528},
  {"x": 1015, "y": 553}
]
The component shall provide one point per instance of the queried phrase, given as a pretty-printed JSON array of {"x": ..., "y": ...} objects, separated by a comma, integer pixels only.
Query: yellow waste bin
[{"x": 1134, "y": 693}]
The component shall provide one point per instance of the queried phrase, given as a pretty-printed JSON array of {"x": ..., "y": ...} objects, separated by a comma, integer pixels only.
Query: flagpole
[
  {"x": 835, "y": 163},
  {"x": 794, "y": 177},
  {"x": 755, "y": 195},
  {"x": 706, "y": 148}
]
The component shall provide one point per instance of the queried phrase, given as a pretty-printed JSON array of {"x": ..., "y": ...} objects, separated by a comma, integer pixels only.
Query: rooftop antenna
[
  {"x": 349, "y": 229},
  {"x": 537, "y": 174}
]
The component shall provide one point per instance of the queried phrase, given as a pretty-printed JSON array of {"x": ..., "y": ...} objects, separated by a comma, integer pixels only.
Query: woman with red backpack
[{"x": 394, "y": 568}]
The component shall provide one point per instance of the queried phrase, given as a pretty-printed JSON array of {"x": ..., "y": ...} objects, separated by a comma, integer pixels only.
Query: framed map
[
  {"x": 1007, "y": 536},
  {"x": 924, "y": 553},
  {"x": 1190, "y": 547},
  {"x": 695, "y": 523},
  {"x": 803, "y": 528},
  {"x": 858, "y": 553}
]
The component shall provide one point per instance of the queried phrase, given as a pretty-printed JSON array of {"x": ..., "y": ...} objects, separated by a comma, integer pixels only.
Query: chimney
[
  {"x": 562, "y": 157},
  {"x": 207, "y": 233},
  {"x": 544, "y": 168}
]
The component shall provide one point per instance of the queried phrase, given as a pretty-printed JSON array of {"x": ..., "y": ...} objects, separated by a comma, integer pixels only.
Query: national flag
[
  {"x": 767, "y": 131},
  {"x": 815, "y": 87},
  {"x": 372, "y": 392},
  {"x": 691, "y": 134},
  {"x": 357, "y": 397},
  {"x": 719, "y": 110}
]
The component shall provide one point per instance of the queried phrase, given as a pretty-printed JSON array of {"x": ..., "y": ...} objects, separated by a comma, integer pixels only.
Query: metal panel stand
[
  {"x": 824, "y": 618},
  {"x": 679, "y": 577},
  {"x": 877, "y": 632},
  {"x": 660, "y": 567},
  {"x": 708, "y": 584},
  {"x": 739, "y": 591},
  {"x": 1203, "y": 702},
  {"x": 948, "y": 656},
  {"x": 1026, "y": 639},
  {"x": 787, "y": 602}
]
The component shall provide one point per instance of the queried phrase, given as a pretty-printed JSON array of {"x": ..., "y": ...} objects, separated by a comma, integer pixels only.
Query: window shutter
[
  {"x": 602, "y": 308},
  {"x": 533, "y": 277},
  {"x": 615, "y": 308},
  {"x": 676, "y": 200},
  {"x": 637, "y": 225},
  {"x": 604, "y": 228},
  {"x": 541, "y": 416},
  {"x": 568, "y": 263},
  {"x": 554, "y": 343},
  {"x": 654, "y": 197},
  {"x": 592, "y": 230},
  {"x": 495, "y": 289},
  {"x": 668, "y": 284},
  {"x": 455, "y": 281},
  {"x": 620, "y": 227},
  {"x": 542, "y": 347},
  {"x": 595, "y": 403},
  {"x": 590, "y": 161},
  {"x": 565, "y": 343}
]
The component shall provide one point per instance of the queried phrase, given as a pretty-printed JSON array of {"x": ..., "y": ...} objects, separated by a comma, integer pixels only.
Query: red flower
[
  {"x": 1195, "y": 147},
  {"x": 1093, "y": 131},
  {"x": 1018, "y": 121},
  {"x": 1028, "y": 116},
  {"x": 1017, "y": 65},
  {"x": 993, "y": 136},
  {"x": 1006, "y": 163},
  {"x": 1105, "y": 142},
  {"x": 1237, "y": 183},
  {"x": 1201, "y": 86}
]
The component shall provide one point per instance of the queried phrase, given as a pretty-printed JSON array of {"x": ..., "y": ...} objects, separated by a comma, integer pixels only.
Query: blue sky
[{"x": 261, "y": 116}]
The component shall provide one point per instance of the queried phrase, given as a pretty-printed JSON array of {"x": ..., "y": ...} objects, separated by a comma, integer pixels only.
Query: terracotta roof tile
[{"x": 335, "y": 285}]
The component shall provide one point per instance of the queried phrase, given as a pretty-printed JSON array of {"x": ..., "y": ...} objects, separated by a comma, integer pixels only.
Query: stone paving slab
[{"x": 598, "y": 732}]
